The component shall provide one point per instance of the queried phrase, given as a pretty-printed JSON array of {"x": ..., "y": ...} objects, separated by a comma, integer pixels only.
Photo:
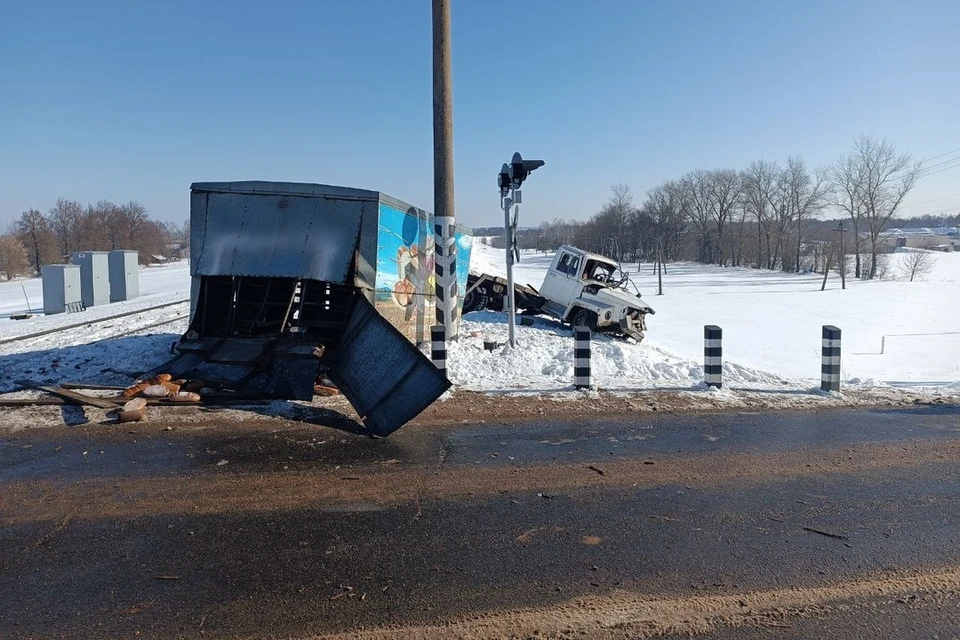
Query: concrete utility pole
[{"x": 443, "y": 204}]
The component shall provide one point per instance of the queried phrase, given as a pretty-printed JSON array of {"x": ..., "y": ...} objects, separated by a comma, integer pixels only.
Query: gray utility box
[
  {"x": 94, "y": 277},
  {"x": 61, "y": 287},
  {"x": 124, "y": 275}
]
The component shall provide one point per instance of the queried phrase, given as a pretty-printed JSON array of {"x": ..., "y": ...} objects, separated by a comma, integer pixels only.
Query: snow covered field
[
  {"x": 771, "y": 331},
  {"x": 88, "y": 352},
  {"x": 158, "y": 285},
  {"x": 771, "y": 323}
]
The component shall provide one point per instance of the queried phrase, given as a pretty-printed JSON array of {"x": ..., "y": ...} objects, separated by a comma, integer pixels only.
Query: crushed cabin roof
[{"x": 587, "y": 255}]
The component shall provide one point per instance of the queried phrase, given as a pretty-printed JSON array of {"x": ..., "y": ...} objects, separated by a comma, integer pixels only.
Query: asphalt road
[{"x": 816, "y": 524}]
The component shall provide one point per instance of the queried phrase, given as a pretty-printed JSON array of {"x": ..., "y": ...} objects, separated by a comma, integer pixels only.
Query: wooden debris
[
  {"x": 212, "y": 399},
  {"x": 79, "y": 398},
  {"x": 156, "y": 391},
  {"x": 170, "y": 387},
  {"x": 184, "y": 396},
  {"x": 137, "y": 404},
  {"x": 91, "y": 387},
  {"x": 130, "y": 416},
  {"x": 32, "y": 402},
  {"x": 597, "y": 469},
  {"x": 135, "y": 390},
  {"x": 323, "y": 390}
]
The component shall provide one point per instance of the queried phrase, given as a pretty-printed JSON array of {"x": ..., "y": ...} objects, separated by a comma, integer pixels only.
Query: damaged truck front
[{"x": 293, "y": 281}]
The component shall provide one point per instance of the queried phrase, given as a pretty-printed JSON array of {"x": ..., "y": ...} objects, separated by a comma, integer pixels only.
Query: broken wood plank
[
  {"x": 30, "y": 402},
  {"x": 79, "y": 398},
  {"x": 116, "y": 403},
  {"x": 91, "y": 387}
]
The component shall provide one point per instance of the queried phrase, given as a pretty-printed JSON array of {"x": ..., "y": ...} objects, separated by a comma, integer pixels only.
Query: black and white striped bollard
[
  {"x": 712, "y": 356},
  {"x": 438, "y": 347},
  {"x": 581, "y": 358},
  {"x": 445, "y": 269},
  {"x": 830, "y": 366}
]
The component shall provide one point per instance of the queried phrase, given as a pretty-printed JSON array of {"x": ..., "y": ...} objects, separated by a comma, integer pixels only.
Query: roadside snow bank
[{"x": 543, "y": 361}]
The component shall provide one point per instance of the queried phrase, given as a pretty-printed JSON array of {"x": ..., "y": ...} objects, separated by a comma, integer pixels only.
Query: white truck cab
[{"x": 587, "y": 289}]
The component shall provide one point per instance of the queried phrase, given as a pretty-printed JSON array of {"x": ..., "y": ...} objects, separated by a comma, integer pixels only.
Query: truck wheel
[
  {"x": 474, "y": 301},
  {"x": 584, "y": 318}
]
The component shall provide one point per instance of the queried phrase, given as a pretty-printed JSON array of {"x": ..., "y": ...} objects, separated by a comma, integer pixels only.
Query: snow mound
[{"x": 543, "y": 361}]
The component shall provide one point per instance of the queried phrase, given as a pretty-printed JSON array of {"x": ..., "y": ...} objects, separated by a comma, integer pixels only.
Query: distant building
[
  {"x": 177, "y": 251},
  {"x": 938, "y": 238}
]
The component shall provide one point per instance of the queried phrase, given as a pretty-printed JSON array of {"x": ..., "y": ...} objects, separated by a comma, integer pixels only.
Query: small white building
[{"x": 921, "y": 238}]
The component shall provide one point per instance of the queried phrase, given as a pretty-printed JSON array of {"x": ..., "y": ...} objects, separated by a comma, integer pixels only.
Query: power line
[
  {"x": 925, "y": 169},
  {"x": 941, "y": 170},
  {"x": 939, "y": 164},
  {"x": 917, "y": 204},
  {"x": 941, "y": 155}
]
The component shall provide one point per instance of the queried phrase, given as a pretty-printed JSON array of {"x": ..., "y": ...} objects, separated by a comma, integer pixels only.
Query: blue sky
[{"x": 136, "y": 100}]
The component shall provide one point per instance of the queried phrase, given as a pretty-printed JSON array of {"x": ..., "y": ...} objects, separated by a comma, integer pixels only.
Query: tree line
[
  {"x": 764, "y": 216},
  {"x": 36, "y": 239}
]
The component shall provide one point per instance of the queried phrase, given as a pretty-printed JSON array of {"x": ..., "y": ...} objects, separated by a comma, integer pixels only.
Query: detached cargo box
[{"x": 291, "y": 277}]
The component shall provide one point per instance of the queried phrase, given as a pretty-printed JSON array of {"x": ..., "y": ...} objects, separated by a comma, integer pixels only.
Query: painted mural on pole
[{"x": 405, "y": 293}]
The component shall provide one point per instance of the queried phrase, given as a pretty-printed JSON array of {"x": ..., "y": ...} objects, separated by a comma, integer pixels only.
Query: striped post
[
  {"x": 438, "y": 347},
  {"x": 581, "y": 358},
  {"x": 712, "y": 356},
  {"x": 830, "y": 366},
  {"x": 445, "y": 265}
]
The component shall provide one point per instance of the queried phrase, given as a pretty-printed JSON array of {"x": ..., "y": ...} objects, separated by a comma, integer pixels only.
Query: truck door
[
  {"x": 386, "y": 379},
  {"x": 561, "y": 283}
]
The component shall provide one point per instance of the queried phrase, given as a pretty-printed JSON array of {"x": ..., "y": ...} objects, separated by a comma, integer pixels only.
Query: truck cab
[{"x": 587, "y": 289}]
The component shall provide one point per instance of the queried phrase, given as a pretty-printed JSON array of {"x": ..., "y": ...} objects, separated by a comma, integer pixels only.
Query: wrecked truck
[
  {"x": 294, "y": 281},
  {"x": 580, "y": 288}
]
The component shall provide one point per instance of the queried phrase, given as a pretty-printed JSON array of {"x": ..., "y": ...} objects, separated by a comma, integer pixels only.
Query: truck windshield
[{"x": 599, "y": 271}]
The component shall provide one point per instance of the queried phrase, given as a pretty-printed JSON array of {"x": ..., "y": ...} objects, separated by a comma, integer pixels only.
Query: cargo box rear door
[{"x": 386, "y": 379}]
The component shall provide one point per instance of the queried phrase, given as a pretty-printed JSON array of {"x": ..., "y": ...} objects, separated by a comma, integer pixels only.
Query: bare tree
[
  {"x": 781, "y": 202},
  {"x": 35, "y": 234},
  {"x": 846, "y": 178},
  {"x": 65, "y": 218},
  {"x": 614, "y": 221},
  {"x": 808, "y": 195},
  {"x": 916, "y": 264},
  {"x": 96, "y": 230},
  {"x": 667, "y": 205},
  {"x": 724, "y": 188},
  {"x": 130, "y": 221},
  {"x": 737, "y": 241},
  {"x": 699, "y": 210},
  {"x": 758, "y": 186},
  {"x": 879, "y": 179},
  {"x": 13, "y": 256}
]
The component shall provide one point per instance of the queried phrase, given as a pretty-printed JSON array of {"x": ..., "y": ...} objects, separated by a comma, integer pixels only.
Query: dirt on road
[
  {"x": 622, "y": 616},
  {"x": 491, "y": 407}
]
